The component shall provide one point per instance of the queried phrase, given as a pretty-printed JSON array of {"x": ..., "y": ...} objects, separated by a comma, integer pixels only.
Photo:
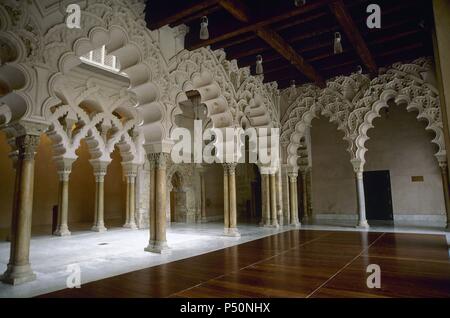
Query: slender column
[
  {"x": 19, "y": 269},
  {"x": 127, "y": 203},
  {"x": 279, "y": 195},
  {"x": 131, "y": 202},
  {"x": 362, "y": 221},
  {"x": 63, "y": 204},
  {"x": 265, "y": 197},
  {"x": 293, "y": 199},
  {"x": 446, "y": 187},
  {"x": 305, "y": 196},
  {"x": 202, "y": 197},
  {"x": 99, "y": 173},
  {"x": 273, "y": 200},
  {"x": 226, "y": 201},
  {"x": 130, "y": 172},
  {"x": 159, "y": 243},
  {"x": 232, "y": 231}
]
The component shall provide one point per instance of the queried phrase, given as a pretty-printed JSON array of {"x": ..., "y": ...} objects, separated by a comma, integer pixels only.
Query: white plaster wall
[{"x": 399, "y": 143}]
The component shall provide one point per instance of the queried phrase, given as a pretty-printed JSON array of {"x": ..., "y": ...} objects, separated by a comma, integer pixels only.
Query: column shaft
[
  {"x": 273, "y": 200},
  {"x": 63, "y": 205},
  {"x": 130, "y": 201},
  {"x": 293, "y": 199},
  {"x": 202, "y": 198},
  {"x": 158, "y": 241},
  {"x": 265, "y": 195},
  {"x": 362, "y": 221},
  {"x": 226, "y": 201},
  {"x": 19, "y": 268},
  {"x": 99, "y": 222},
  {"x": 232, "y": 230}
]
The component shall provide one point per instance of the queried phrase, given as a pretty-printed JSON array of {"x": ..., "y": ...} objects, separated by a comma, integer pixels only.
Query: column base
[
  {"x": 62, "y": 232},
  {"x": 274, "y": 225},
  {"x": 296, "y": 224},
  {"x": 204, "y": 220},
  {"x": 18, "y": 274},
  {"x": 157, "y": 247},
  {"x": 363, "y": 225},
  {"x": 99, "y": 228},
  {"x": 231, "y": 232},
  {"x": 131, "y": 226}
]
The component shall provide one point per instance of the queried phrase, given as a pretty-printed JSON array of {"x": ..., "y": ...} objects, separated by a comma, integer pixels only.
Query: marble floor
[{"x": 118, "y": 251}]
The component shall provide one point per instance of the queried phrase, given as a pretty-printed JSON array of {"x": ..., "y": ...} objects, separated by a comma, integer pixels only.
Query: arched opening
[
  {"x": 81, "y": 190},
  {"x": 400, "y": 145},
  {"x": 333, "y": 192},
  {"x": 115, "y": 192}
]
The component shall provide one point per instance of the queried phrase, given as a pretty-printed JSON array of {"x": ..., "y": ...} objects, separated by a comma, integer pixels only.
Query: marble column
[
  {"x": 273, "y": 200},
  {"x": 130, "y": 222},
  {"x": 99, "y": 173},
  {"x": 203, "y": 198},
  {"x": 265, "y": 196},
  {"x": 19, "y": 269},
  {"x": 226, "y": 201},
  {"x": 293, "y": 199},
  {"x": 304, "y": 194},
  {"x": 362, "y": 221},
  {"x": 62, "y": 228},
  {"x": 232, "y": 231},
  {"x": 446, "y": 187},
  {"x": 158, "y": 241},
  {"x": 279, "y": 194}
]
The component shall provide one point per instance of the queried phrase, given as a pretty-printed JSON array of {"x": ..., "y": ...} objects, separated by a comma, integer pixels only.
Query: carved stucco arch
[
  {"x": 335, "y": 102},
  {"x": 353, "y": 103},
  {"x": 404, "y": 84},
  {"x": 101, "y": 144},
  {"x": 119, "y": 25}
]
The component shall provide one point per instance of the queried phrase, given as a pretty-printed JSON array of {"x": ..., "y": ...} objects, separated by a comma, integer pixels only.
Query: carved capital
[
  {"x": 230, "y": 168},
  {"x": 26, "y": 146},
  {"x": 158, "y": 160}
]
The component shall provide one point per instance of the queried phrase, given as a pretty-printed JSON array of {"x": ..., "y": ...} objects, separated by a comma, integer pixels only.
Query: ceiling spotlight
[
  {"x": 359, "y": 69},
  {"x": 259, "y": 67},
  {"x": 298, "y": 3},
  {"x": 204, "y": 33},
  {"x": 337, "y": 43}
]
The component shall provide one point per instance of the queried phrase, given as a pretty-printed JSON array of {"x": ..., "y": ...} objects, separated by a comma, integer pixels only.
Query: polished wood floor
[{"x": 299, "y": 263}]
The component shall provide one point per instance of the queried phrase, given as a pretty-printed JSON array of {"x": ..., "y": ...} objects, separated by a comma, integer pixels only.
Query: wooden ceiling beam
[
  {"x": 222, "y": 33},
  {"x": 158, "y": 17},
  {"x": 238, "y": 10},
  {"x": 354, "y": 36},
  {"x": 285, "y": 49}
]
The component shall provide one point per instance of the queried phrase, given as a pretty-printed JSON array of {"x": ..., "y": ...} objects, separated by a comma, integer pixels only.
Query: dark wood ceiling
[{"x": 296, "y": 43}]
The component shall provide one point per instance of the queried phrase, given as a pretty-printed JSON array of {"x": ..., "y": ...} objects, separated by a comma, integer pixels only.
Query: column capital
[
  {"x": 130, "y": 169},
  {"x": 158, "y": 159},
  {"x": 26, "y": 146},
  {"x": 64, "y": 168},
  {"x": 293, "y": 175},
  {"x": 230, "y": 167},
  {"x": 100, "y": 169}
]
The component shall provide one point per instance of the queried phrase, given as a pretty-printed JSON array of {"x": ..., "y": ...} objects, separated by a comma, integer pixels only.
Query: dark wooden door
[{"x": 377, "y": 190}]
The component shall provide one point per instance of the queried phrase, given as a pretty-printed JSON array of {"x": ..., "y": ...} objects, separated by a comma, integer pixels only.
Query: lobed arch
[
  {"x": 404, "y": 84},
  {"x": 353, "y": 102},
  {"x": 117, "y": 24}
]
